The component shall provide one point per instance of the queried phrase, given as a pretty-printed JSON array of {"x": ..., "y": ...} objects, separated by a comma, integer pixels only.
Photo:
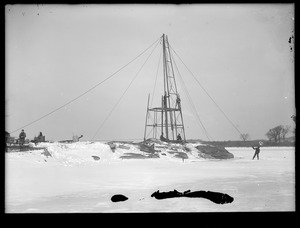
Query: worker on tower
[
  {"x": 178, "y": 100},
  {"x": 162, "y": 138},
  {"x": 179, "y": 137},
  {"x": 165, "y": 100}
]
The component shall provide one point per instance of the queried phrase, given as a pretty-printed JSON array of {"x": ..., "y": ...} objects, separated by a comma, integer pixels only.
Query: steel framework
[{"x": 167, "y": 118}]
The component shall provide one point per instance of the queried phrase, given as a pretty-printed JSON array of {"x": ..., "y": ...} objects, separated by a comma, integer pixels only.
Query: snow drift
[
  {"x": 83, "y": 176},
  {"x": 90, "y": 152}
]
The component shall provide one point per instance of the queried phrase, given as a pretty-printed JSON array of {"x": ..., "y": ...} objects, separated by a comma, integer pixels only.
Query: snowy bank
[
  {"x": 90, "y": 152},
  {"x": 71, "y": 180}
]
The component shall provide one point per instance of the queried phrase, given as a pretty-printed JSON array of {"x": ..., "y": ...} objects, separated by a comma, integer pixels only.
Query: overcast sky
[{"x": 240, "y": 54}]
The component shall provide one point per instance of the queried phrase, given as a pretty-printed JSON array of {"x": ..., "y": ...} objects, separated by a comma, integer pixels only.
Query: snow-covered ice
[{"x": 71, "y": 180}]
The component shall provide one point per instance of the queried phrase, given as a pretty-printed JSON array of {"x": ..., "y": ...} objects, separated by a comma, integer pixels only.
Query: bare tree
[
  {"x": 271, "y": 135},
  {"x": 278, "y": 133},
  {"x": 284, "y": 131},
  {"x": 245, "y": 136},
  {"x": 274, "y": 134},
  {"x": 294, "y": 119}
]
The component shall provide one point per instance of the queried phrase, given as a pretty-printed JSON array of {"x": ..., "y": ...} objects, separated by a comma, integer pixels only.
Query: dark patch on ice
[
  {"x": 162, "y": 147},
  {"x": 96, "y": 157},
  {"x": 213, "y": 152},
  {"x": 153, "y": 156},
  {"x": 138, "y": 156},
  {"x": 187, "y": 149},
  {"x": 165, "y": 195},
  {"x": 146, "y": 148},
  {"x": 118, "y": 198},
  {"x": 112, "y": 146},
  {"x": 124, "y": 147},
  {"x": 181, "y": 155},
  {"x": 216, "y": 197},
  {"x": 46, "y": 153},
  {"x": 133, "y": 155}
]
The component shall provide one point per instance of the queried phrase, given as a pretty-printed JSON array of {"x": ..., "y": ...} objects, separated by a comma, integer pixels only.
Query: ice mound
[
  {"x": 79, "y": 152},
  {"x": 91, "y": 152}
]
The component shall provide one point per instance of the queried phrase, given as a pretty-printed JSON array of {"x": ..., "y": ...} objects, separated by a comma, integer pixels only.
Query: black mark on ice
[
  {"x": 96, "y": 157},
  {"x": 46, "y": 153},
  {"x": 112, "y": 146},
  {"x": 216, "y": 197},
  {"x": 118, "y": 198}
]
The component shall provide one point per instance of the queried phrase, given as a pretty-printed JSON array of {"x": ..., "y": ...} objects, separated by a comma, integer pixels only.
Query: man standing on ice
[
  {"x": 257, "y": 150},
  {"x": 22, "y": 137}
]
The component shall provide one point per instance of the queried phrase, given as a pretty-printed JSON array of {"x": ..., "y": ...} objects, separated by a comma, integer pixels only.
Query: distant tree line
[
  {"x": 278, "y": 133},
  {"x": 248, "y": 143},
  {"x": 276, "y": 137},
  {"x": 245, "y": 136}
]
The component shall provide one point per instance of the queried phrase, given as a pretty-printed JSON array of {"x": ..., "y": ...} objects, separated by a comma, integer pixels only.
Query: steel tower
[{"x": 167, "y": 119}]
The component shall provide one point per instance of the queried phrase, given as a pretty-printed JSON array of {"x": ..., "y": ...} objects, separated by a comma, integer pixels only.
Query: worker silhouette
[
  {"x": 162, "y": 138},
  {"x": 257, "y": 150},
  {"x": 76, "y": 138},
  {"x": 22, "y": 137},
  {"x": 178, "y": 101},
  {"x": 179, "y": 137}
]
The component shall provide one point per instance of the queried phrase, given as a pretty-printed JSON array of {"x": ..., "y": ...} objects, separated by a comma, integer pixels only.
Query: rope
[
  {"x": 208, "y": 94},
  {"x": 123, "y": 94},
  {"x": 156, "y": 78},
  {"x": 190, "y": 102},
  {"x": 149, "y": 133},
  {"x": 60, "y": 107}
]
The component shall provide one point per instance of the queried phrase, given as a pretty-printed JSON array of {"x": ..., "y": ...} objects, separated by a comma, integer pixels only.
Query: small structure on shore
[{"x": 39, "y": 138}]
